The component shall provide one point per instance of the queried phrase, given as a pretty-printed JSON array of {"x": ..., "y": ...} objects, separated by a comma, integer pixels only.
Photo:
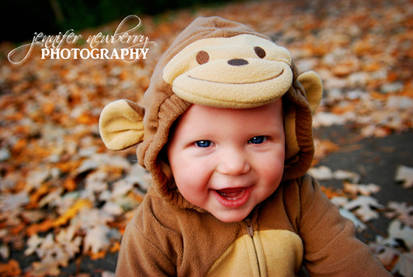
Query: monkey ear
[
  {"x": 121, "y": 124},
  {"x": 313, "y": 88}
]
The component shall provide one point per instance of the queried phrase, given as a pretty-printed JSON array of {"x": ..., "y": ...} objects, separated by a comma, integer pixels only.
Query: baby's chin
[{"x": 231, "y": 216}]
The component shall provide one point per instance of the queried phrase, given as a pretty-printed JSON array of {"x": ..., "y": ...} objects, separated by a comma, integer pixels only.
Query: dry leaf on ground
[{"x": 404, "y": 174}]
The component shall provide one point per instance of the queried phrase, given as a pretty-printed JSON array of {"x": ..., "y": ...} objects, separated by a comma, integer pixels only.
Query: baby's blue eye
[
  {"x": 257, "y": 139},
  {"x": 203, "y": 143}
]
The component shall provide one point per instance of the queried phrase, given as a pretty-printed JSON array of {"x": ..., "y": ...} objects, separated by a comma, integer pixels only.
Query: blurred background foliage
[{"x": 54, "y": 16}]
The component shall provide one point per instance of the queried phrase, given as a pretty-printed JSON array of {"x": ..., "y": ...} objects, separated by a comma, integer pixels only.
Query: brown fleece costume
[{"x": 222, "y": 63}]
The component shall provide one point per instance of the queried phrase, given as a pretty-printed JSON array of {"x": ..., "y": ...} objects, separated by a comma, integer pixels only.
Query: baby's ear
[
  {"x": 121, "y": 124},
  {"x": 313, "y": 88}
]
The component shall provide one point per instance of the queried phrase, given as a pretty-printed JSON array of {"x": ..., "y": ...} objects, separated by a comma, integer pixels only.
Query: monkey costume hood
[{"x": 221, "y": 63}]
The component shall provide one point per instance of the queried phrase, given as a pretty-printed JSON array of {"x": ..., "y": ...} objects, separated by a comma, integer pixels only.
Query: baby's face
[{"x": 226, "y": 161}]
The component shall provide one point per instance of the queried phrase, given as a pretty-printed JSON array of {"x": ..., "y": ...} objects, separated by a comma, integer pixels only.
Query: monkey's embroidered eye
[
  {"x": 259, "y": 51},
  {"x": 202, "y": 57}
]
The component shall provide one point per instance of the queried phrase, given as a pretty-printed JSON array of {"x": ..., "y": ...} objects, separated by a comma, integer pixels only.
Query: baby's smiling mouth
[
  {"x": 231, "y": 193},
  {"x": 233, "y": 197}
]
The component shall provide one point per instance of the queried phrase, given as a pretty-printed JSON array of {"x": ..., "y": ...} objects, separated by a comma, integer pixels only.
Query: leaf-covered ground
[{"x": 65, "y": 199}]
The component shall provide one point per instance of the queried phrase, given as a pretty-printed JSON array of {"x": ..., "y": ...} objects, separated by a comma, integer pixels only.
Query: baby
[{"x": 225, "y": 131}]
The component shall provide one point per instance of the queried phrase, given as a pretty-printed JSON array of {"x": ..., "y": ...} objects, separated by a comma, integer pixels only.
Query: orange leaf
[
  {"x": 374, "y": 66},
  {"x": 115, "y": 247},
  {"x": 392, "y": 76},
  {"x": 342, "y": 70},
  {"x": 70, "y": 213},
  {"x": 136, "y": 197},
  {"x": 22, "y": 130},
  {"x": 69, "y": 166},
  {"x": 41, "y": 227},
  {"x": 12, "y": 268},
  {"x": 34, "y": 198},
  {"x": 69, "y": 184},
  {"x": 20, "y": 145},
  {"x": 15, "y": 116},
  {"x": 362, "y": 48},
  {"x": 48, "y": 108},
  {"x": 40, "y": 152},
  {"x": 408, "y": 90},
  {"x": 330, "y": 193},
  {"x": 378, "y": 95},
  {"x": 343, "y": 109},
  {"x": 323, "y": 148},
  {"x": 87, "y": 119},
  {"x": 98, "y": 255},
  {"x": 17, "y": 229}
]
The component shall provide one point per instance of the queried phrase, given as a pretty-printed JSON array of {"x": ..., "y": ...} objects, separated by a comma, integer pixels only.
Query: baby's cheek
[
  {"x": 190, "y": 178},
  {"x": 273, "y": 170}
]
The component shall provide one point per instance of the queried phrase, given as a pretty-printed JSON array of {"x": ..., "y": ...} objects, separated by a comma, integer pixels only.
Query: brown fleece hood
[{"x": 221, "y": 63}]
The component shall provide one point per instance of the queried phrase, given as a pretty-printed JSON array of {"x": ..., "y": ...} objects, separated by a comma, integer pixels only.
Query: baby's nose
[
  {"x": 237, "y": 62},
  {"x": 233, "y": 163}
]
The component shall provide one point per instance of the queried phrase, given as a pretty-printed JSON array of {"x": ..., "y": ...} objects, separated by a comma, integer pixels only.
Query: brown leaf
[
  {"x": 35, "y": 197},
  {"x": 330, "y": 192},
  {"x": 40, "y": 227},
  {"x": 12, "y": 268},
  {"x": 69, "y": 184},
  {"x": 87, "y": 119},
  {"x": 48, "y": 108},
  {"x": 70, "y": 213},
  {"x": 344, "y": 109},
  {"x": 68, "y": 166}
]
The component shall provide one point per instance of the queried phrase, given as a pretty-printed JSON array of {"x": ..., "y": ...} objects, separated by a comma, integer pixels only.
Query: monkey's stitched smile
[{"x": 218, "y": 82}]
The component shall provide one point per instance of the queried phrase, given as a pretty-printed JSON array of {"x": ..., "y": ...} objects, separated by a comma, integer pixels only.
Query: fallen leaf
[
  {"x": 346, "y": 175},
  {"x": 405, "y": 174},
  {"x": 402, "y": 211},
  {"x": 405, "y": 233},
  {"x": 328, "y": 119},
  {"x": 323, "y": 148},
  {"x": 357, "y": 223},
  {"x": 12, "y": 268},
  {"x": 13, "y": 202},
  {"x": 387, "y": 255},
  {"x": 115, "y": 247},
  {"x": 33, "y": 216},
  {"x": 69, "y": 241},
  {"x": 98, "y": 255},
  {"x": 339, "y": 201},
  {"x": 325, "y": 173},
  {"x": 321, "y": 173},
  {"x": 41, "y": 227},
  {"x": 99, "y": 238},
  {"x": 87, "y": 119},
  {"x": 4, "y": 251},
  {"x": 404, "y": 265},
  {"x": 32, "y": 244},
  {"x": 69, "y": 184},
  {"x": 330, "y": 192},
  {"x": 108, "y": 274},
  {"x": 365, "y": 207},
  {"x": 365, "y": 190},
  {"x": 41, "y": 191},
  {"x": 112, "y": 208},
  {"x": 17, "y": 229},
  {"x": 80, "y": 204},
  {"x": 45, "y": 267}
]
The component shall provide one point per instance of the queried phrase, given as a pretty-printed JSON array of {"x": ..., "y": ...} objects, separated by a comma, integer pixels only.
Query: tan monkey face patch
[{"x": 238, "y": 72}]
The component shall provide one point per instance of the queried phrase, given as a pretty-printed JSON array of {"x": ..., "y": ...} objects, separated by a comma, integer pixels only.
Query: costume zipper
[{"x": 250, "y": 230}]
